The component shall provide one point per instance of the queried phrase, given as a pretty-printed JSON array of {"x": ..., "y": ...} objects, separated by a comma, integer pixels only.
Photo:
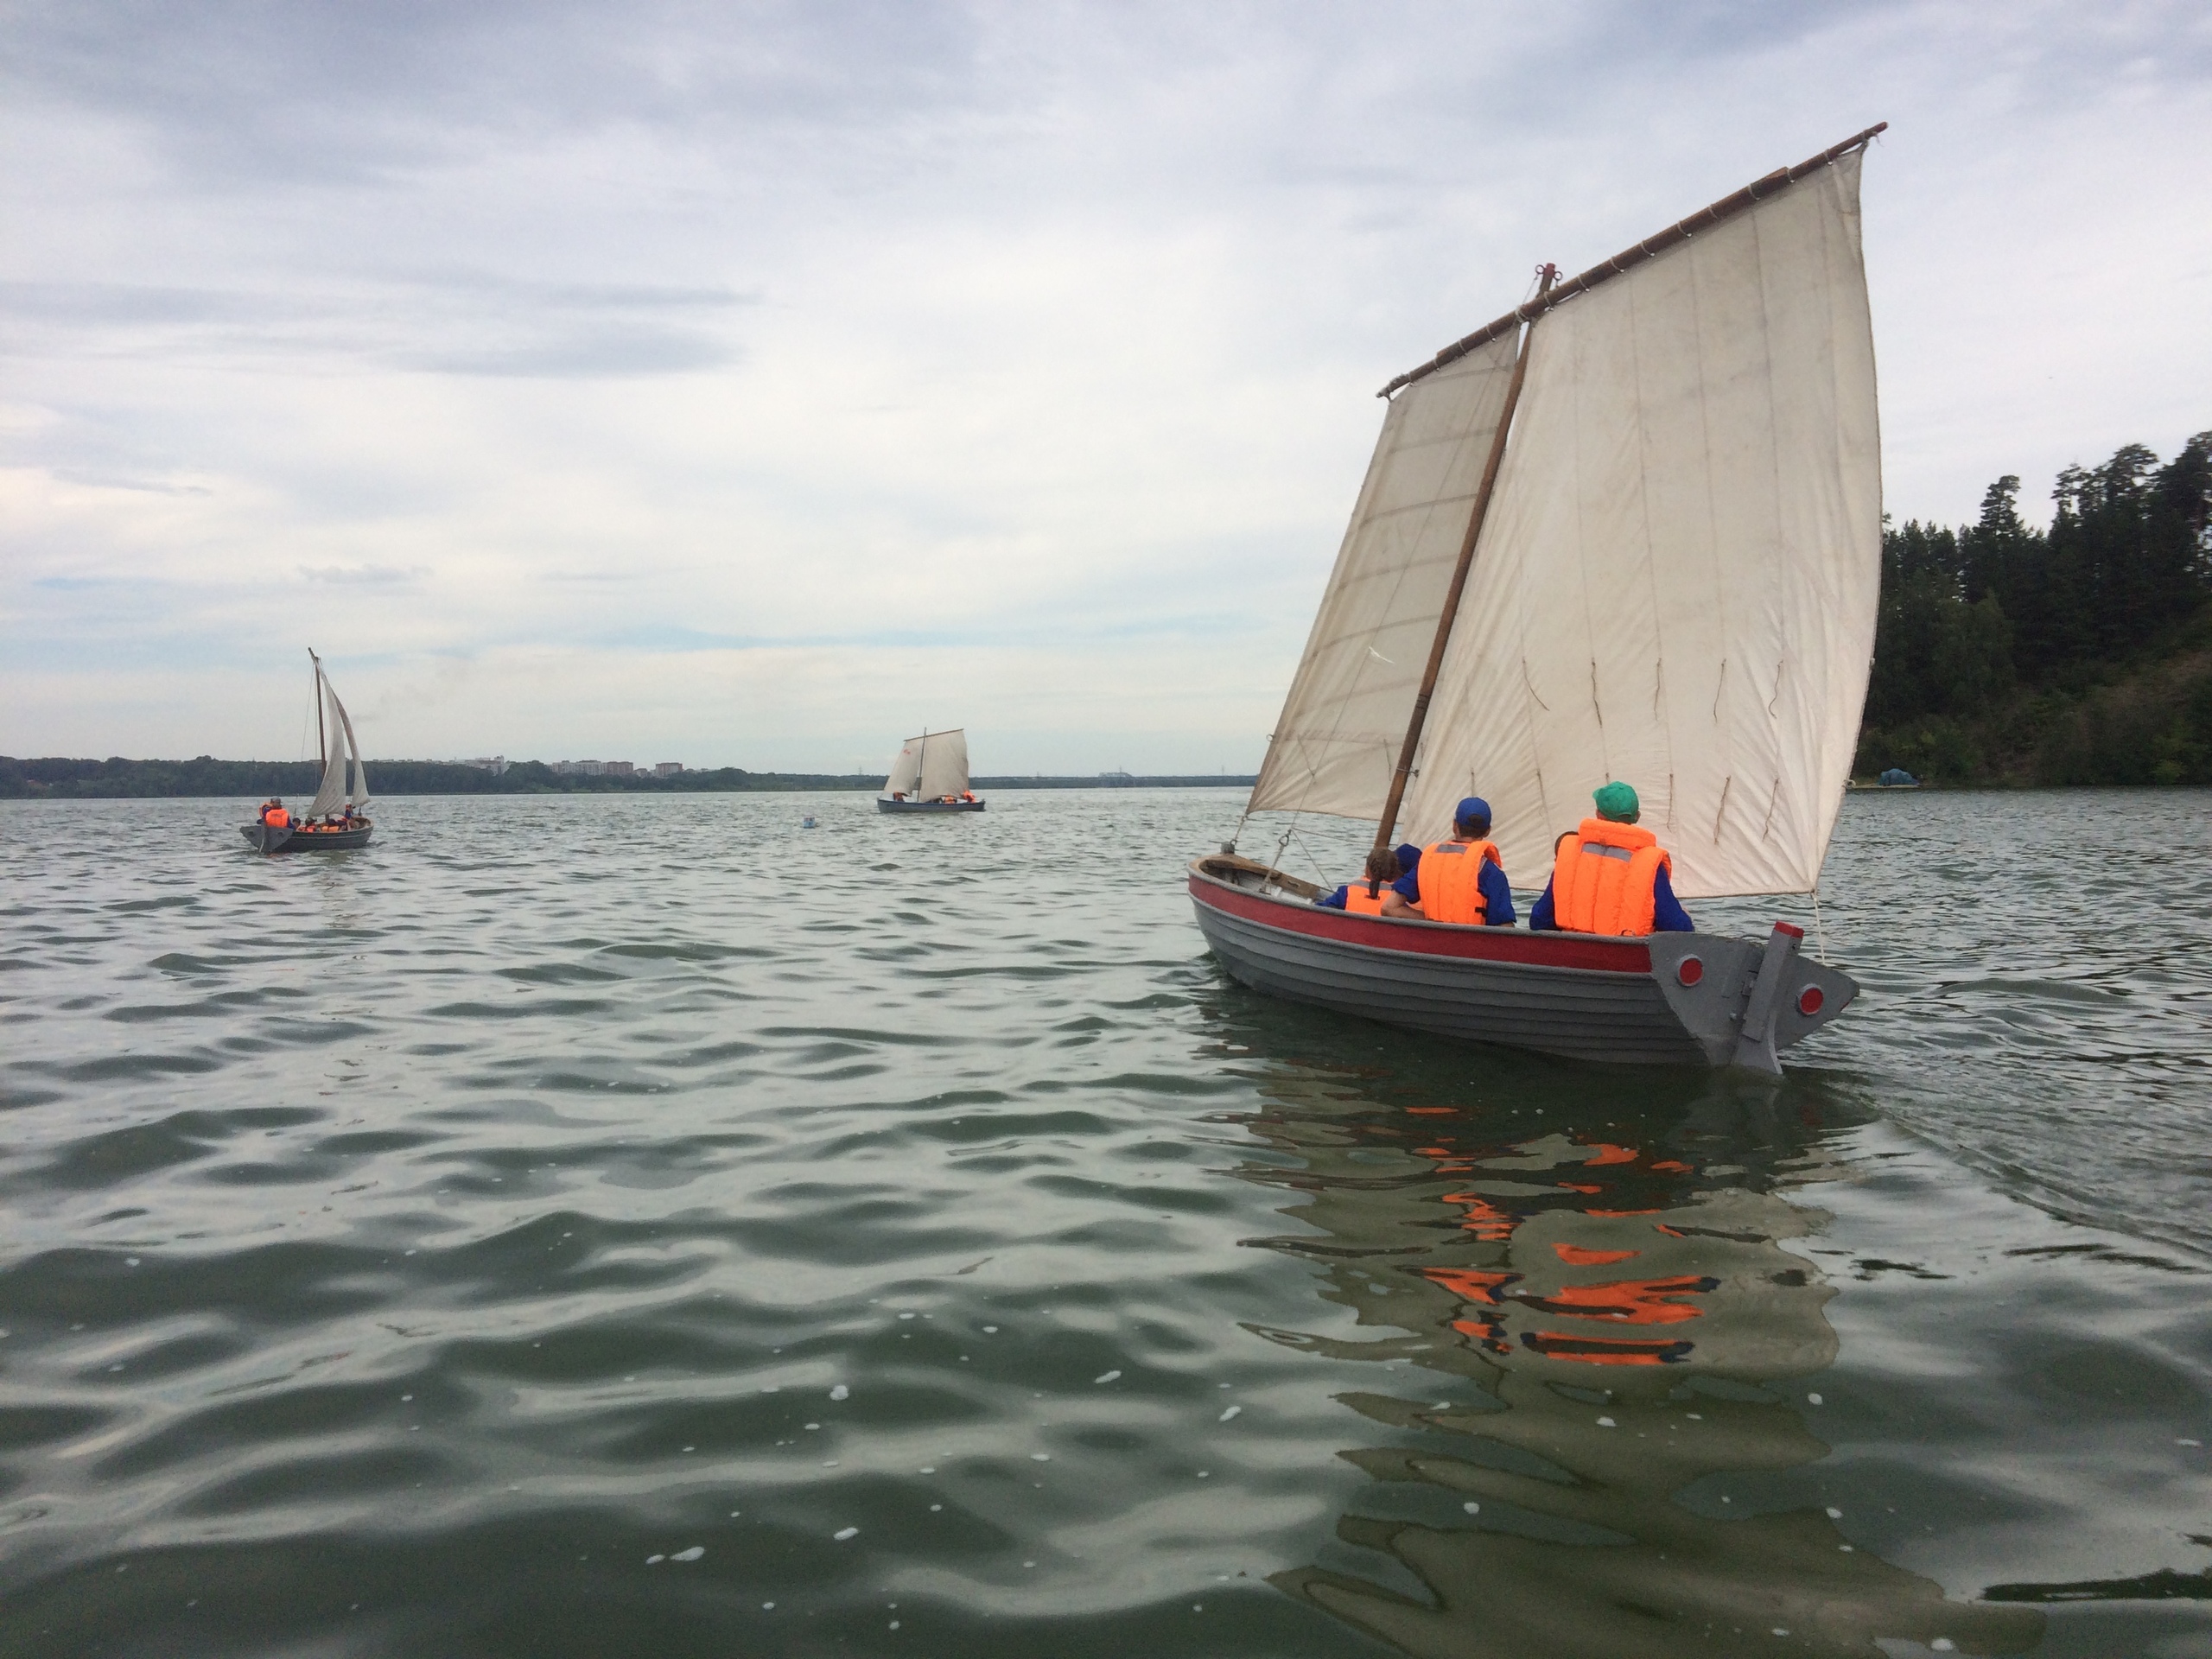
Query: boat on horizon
[
  {"x": 931, "y": 776},
  {"x": 1631, "y": 529},
  {"x": 322, "y": 827}
]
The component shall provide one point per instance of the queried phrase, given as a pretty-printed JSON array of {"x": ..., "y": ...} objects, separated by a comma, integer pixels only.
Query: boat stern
[{"x": 1743, "y": 1000}]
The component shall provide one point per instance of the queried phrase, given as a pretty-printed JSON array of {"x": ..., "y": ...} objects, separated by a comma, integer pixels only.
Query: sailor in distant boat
[
  {"x": 1610, "y": 877},
  {"x": 274, "y": 814},
  {"x": 1461, "y": 881}
]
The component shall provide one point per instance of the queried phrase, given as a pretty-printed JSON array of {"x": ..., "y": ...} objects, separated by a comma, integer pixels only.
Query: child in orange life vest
[
  {"x": 1632, "y": 856},
  {"x": 1365, "y": 897},
  {"x": 1490, "y": 904}
]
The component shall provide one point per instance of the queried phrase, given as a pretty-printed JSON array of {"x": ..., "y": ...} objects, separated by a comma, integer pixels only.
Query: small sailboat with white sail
[
  {"x": 1631, "y": 530},
  {"x": 334, "y": 821},
  {"x": 930, "y": 775}
]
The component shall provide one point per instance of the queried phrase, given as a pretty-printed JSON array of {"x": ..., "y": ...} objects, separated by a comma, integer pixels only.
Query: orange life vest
[
  {"x": 1356, "y": 903},
  {"x": 1450, "y": 876},
  {"x": 1603, "y": 879},
  {"x": 277, "y": 818}
]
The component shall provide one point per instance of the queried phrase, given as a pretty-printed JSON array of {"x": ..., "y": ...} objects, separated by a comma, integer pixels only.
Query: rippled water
[{"x": 643, "y": 1226}]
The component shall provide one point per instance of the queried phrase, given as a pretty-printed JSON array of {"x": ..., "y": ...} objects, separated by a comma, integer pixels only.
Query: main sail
[
  {"x": 944, "y": 764},
  {"x": 359, "y": 797},
  {"x": 905, "y": 771},
  {"x": 333, "y": 788},
  {"x": 342, "y": 746},
  {"x": 1337, "y": 740},
  {"x": 1677, "y": 580}
]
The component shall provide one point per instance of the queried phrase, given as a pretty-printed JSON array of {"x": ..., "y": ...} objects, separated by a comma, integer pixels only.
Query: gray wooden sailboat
[
  {"x": 930, "y": 776},
  {"x": 1630, "y": 530},
  {"x": 322, "y": 827}
]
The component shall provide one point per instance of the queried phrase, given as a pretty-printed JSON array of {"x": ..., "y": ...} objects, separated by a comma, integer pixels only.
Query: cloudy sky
[{"x": 751, "y": 383}]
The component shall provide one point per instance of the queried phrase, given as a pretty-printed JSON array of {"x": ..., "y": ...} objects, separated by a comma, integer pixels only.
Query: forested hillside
[{"x": 2082, "y": 654}]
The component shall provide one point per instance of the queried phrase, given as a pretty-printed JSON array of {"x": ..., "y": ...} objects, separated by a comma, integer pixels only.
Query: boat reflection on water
[{"x": 1610, "y": 1273}]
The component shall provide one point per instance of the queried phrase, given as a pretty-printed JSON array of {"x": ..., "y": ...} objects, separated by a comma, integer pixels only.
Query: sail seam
[{"x": 1643, "y": 511}]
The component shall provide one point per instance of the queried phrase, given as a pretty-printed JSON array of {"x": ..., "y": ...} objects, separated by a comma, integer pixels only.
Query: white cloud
[{"x": 1003, "y": 365}]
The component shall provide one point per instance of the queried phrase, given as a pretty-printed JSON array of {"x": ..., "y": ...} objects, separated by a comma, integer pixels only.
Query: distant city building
[
  {"x": 591, "y": 769},
  {"x": 1116, "y": 777},
  {"x": 494, "y": 764},
  {"x": 667, "y": 768},
  {"x": 621, "y": 768}
]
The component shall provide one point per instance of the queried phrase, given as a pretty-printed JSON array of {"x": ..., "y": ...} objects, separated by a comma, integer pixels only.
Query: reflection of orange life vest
[
  {"x": 1357, "y": 903},
  {"x": 1604, "y": 877},
  {"x": 1450, "y": 876},
  {"x": 277, "y": 818}
]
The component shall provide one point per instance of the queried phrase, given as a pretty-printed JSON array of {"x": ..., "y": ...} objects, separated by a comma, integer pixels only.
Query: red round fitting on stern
[
  {"x": 1689, "y": 970},
  {"x": 1810, "y": 1001}
]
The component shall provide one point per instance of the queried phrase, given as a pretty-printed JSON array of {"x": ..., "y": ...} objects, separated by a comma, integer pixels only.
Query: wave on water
[{"x": 659, "y": 1227}]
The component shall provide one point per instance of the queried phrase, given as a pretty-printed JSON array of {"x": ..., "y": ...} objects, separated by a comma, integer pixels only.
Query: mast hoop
[{"x": 1680, "y": 231}]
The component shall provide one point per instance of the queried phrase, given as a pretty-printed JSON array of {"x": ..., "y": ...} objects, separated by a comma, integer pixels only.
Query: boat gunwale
[{"x": 1414, "y": 936}]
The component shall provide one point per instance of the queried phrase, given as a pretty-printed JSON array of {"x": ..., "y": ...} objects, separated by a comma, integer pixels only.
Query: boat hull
[
  {"x": 263, "y": 839},
  {"x": 1673, "y": 999},
  {"x": 883, "y": 803}
]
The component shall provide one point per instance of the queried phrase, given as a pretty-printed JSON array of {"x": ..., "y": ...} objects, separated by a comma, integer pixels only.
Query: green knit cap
[{"x": 1617, "y": 802}]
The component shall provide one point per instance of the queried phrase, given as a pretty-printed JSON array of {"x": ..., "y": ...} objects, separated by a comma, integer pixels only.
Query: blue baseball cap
[
  {"x": 1473, "y": 810},
  {"x": 1408, "y": 858}
]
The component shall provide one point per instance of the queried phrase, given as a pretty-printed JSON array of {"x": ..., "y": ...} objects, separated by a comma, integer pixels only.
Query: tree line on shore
[
  {"x": 2079, "y": 654},
  {"x": 295, "y": 780}
]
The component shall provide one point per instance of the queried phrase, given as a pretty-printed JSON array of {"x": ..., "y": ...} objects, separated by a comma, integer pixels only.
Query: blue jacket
[{"x": 1668, "y": 915}]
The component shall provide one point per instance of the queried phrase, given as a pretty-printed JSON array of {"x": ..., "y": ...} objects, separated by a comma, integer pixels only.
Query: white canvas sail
[
  {"x": 1677, "y": 580},
  {"x": 1336, "y": 741},
  {"x": 360, "y": 795},
  {"x": 944, "y": 764},
  {"x": 906, "y": 770},
  {"x": 332, "y": 789}
]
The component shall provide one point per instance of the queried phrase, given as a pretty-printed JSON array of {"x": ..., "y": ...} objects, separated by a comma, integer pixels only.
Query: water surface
[{"x": 590, "y": 1225}]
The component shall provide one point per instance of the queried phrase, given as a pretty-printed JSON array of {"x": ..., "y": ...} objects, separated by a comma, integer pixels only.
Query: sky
[{"x": 754, "y": 385}]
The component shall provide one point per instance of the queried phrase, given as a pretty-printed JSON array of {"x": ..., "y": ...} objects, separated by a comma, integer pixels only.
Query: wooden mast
[
  {"x": 1451, "y": 611},
  {"x": 321, "y": 743}
]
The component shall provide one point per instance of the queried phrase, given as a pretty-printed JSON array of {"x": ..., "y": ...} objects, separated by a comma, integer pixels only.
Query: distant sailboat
[
  {"x": 322, "y": 827},
  {"x": 1656, "y": 488},
  {"x": 930, "y": 775}
]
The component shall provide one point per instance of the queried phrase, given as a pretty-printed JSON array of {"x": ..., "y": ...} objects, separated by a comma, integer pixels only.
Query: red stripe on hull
[{"x": 1428, "y": 939}]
